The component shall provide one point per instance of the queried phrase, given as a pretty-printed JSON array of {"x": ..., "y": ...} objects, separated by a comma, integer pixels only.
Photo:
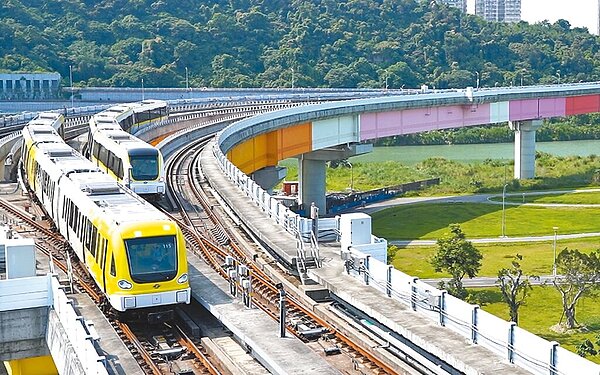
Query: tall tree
[
  {"x": 578, "y": 276},
  {"x": 458, "y": 257},
  {"x": 515, "y": 286}
]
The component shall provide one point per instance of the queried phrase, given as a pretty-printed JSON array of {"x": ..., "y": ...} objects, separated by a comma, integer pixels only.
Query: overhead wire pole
[
  {"x": 71, "y": 81},
  {"x": 187, "y": 82},
  {"x": 503, "y": 211},
  {"x": 554, "y": 248}
]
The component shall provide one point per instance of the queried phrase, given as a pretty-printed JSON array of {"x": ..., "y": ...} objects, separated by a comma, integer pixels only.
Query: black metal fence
[{"x": 340, "y": 202}]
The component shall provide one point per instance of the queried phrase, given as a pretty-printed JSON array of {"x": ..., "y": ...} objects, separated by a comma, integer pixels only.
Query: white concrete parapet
[
  {"x": 25, "y": 293},
  {"x": 79, "y": 345},
  {"x": 67, "y": 335}
]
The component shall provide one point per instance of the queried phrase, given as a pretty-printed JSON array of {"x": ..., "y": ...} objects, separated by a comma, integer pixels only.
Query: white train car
[
  {"x": 135, "y": 254},
  {"x": 131, "y": 161}
]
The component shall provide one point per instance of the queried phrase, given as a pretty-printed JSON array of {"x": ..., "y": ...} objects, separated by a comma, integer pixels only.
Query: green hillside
[{"x": 256, "y": 43}]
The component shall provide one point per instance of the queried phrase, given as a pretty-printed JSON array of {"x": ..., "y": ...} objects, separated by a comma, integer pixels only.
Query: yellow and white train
[
  {"x": 133, "y": 162},
  {"x": 135, "y": 253}
]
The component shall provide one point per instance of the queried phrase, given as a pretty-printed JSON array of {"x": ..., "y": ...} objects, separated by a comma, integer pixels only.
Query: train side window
[
  {"x": 94, "y": 240},
  {"x": 67, "y": 210},
  {"x": 79, "y": 227},
  {"x": 96, "y": 150},
  {"x": 120, "y": 169},
  {"x": 98, "y": 241},
  {"x": 26, "y": 155},
  {"x": 113, "y": 271},
  {"x": 83, "y": 227},
  {"x": 103, "y": 155},
  {"x": 88, "y": 235},
  {"x": 104, "y": 250},
  {"x": 71, "y": 215},
  {"x": 111, "y": 162}
]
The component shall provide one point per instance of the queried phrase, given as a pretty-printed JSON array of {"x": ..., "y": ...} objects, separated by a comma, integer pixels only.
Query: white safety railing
[
  {"x": 280, "y": 214},
  {"x": 505, "y": 339}
]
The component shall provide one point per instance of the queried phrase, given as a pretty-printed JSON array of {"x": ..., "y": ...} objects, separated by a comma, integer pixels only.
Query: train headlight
[
  {"x": 182, "y": 296},
  {"x": 124, "y": 284},
  {"x": 129, "y": 302},
  {"x": 183, "y": 279}
]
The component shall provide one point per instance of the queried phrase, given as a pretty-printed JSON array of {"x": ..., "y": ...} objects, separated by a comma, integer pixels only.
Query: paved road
[
  {"x": 481, "y": 198},
  {"x": 505, "y": 239},
  {"x": 482, "y": 282}
]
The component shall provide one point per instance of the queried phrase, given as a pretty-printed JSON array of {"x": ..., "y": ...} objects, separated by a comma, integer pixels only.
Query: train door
[{"x": 102, "y": 246}]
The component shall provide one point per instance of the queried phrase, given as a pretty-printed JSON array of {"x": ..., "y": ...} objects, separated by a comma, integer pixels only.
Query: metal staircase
[{"x": 307, "y": 258}]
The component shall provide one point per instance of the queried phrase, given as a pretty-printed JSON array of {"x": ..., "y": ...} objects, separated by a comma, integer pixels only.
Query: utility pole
[
  {"x": 187, "y": 82},
  {"x": 71, "y": 80}
]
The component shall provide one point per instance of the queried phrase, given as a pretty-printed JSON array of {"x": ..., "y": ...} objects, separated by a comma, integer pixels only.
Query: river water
[{"x": 474, "y": 152}]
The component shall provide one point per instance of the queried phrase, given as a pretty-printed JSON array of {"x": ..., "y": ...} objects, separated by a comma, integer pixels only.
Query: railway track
[
  {"x": 214, "y": 240},
  {"x": 167, "y": 348},
  {"x": 158, "y": 349}
]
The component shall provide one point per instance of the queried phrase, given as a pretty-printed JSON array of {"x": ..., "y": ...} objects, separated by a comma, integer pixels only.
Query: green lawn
[
  {"x": 430, "y": 221},
  {"x": 537, "y": 257},
  {"x": 542, "y": 310},
  {"x": 565, "y": 198}
]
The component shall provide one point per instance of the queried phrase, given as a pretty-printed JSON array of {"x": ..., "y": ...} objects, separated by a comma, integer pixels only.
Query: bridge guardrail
[{"x": 504, "y": 338}]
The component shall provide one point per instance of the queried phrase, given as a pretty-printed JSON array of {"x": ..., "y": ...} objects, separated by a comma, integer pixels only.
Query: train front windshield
[
  {"x": 144, "y": 164},
  {"x": 152, "y": 259}
]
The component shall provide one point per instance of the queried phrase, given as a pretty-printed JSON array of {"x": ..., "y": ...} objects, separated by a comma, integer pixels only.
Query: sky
[{"x": 579, "y": 13}]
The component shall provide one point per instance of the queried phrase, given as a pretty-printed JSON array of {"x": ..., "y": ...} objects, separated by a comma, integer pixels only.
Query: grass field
[
  {"x": 564, "y": 198},
  {"x": 537, "y": 257},
  {"x": 542, "y": 310},
  {"x": 430, "y": 221},
  {"x": 460, "y": 178}
]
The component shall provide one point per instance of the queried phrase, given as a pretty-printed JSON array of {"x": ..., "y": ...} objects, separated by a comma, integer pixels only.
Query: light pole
[
  {"x": 554, "y": 248},
  {"x": 71, "y": 80},
  {"x": 476, "y": 72},
  {"x": 386, "y": 82},
  {"x": 293, "y": 77},
  {"x": 347, "y": 163},
  {"x": 351, "y": 177},
  {"x": 503, "y": 211},
  {"x": 142, "y": 89},
  {"x": 187, "y": 82}
]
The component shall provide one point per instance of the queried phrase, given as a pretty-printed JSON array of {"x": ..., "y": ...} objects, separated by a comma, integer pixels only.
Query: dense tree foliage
[
  {"x": 457, "y": 256},
  {"x": 255, "y": 43}
]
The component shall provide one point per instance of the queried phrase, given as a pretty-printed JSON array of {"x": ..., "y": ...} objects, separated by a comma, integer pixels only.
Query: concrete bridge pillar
[
  {"x": 311, "y": 186},
  {"x": 312, "y": 172},
  {"x": 525, "y": 147}
]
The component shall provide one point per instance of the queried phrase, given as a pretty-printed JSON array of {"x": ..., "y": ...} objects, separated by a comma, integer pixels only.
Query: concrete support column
[
  {"x": 311, "y": 185},
  {"x": 525, "y": 147}
]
